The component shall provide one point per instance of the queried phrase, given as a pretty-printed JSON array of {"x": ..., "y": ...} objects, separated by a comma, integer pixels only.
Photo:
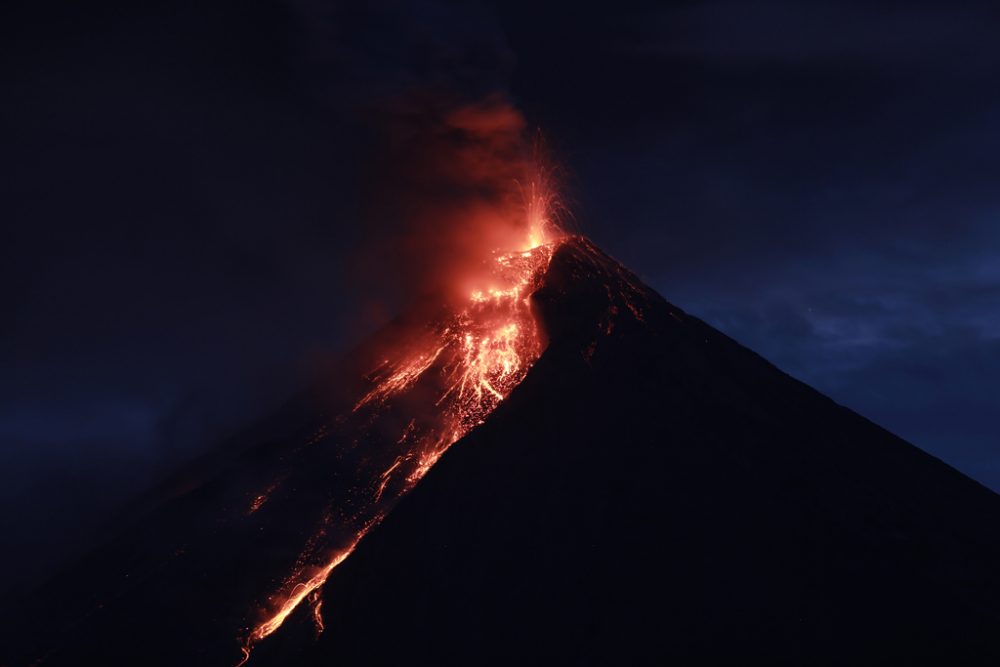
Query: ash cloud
[
  {"x": 186, "y": 206},
  {"x": 447, "y": 194},
  {"x": 443, "y": 184}
]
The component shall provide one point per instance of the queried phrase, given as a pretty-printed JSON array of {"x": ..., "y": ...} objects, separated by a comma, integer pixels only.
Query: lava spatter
[{"x": 469, "y": 363}]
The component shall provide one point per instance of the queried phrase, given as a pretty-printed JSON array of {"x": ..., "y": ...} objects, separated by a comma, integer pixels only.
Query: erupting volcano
[
  {"x": 424, "y": 396},
  {"x": 557, "y": 466}
]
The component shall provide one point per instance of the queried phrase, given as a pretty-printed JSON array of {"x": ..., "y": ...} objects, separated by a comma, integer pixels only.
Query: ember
[{"x": 473, "y": 358}]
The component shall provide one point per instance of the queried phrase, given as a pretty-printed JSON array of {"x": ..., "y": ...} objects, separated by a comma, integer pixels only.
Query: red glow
[
  {"x": 261, "y": 498},
  {"x": 468, "y": 361}
]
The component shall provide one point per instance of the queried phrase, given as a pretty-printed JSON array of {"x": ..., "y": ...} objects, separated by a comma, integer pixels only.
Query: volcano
[{"x": 572, "y": 471}]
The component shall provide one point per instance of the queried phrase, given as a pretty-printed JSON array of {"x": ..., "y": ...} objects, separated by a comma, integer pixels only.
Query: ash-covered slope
[{"x": 654, "y": 492}]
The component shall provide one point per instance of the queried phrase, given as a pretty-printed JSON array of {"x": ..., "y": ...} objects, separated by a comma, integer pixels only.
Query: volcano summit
[{"x": 570, "y": 470}]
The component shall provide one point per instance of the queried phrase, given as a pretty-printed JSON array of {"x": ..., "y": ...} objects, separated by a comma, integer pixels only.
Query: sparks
[
  {"x": 473, "y": 359},
  {"x": 261, "y": 498}
]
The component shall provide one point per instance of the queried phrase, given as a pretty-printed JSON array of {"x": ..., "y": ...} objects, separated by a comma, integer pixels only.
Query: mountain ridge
[
  {"x": 822, "y": 562},
  {"x": 651, "y": 490}
]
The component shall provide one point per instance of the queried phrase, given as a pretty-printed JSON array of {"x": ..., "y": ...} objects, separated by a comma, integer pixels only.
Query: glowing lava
[
  {"x": 299, "y": 592},
  {"x": 442, "y": 386}
]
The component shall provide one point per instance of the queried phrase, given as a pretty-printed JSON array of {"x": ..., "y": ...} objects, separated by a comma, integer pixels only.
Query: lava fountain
[{"x": 427, "y": 394}]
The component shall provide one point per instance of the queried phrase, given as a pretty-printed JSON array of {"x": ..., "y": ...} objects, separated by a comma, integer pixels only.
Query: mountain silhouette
[{"x": 649, "y": 492}]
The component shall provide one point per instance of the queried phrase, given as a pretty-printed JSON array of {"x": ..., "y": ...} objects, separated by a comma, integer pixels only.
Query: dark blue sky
[
  {"x": 818, "y": 180},
  {"x": 183, "y": 186}
]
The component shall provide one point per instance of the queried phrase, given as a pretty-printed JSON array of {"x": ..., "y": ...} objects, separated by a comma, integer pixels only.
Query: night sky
[{"x": 185, "y": 191}]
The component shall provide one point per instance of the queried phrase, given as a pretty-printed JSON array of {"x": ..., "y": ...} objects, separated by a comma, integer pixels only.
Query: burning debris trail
[{"x": 422, "y": 398}]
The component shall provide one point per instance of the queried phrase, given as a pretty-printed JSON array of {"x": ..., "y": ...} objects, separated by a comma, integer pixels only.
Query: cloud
[
  {"x": 859, "y": 35},
  {"x": 914, "y": 348}
]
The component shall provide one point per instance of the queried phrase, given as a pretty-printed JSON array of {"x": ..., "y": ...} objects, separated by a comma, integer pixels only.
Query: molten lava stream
[{"x": 472, "y": 360}]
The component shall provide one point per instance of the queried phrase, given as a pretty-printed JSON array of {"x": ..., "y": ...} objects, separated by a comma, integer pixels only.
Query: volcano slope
[
  {"x": 655, "y": 492},
  {"x": 650, "y": 492}
]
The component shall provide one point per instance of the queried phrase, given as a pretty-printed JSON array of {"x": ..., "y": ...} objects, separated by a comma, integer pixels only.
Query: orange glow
[
  {"x": 317, "y": 611},
  {"x": 540, "y": 204},
  {"x": 475, "y": 355},
  {"x": 386, "y": 476},
  {"x": 257, "y": 503},
  {"x": 259, "y": 500},
  {"x": 300, "y": 591},
  {"x": 400, "y": 379}
]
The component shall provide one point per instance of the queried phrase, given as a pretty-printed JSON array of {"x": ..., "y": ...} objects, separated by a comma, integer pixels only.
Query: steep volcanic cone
[
  {"x": 614, "y": 482},
  {"x": 654, "y": 493}
]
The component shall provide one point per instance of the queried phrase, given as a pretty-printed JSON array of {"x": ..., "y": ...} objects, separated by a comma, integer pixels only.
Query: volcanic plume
[
  {"x": 547, "y": 463},
  {"x": 478, "y": 234}
]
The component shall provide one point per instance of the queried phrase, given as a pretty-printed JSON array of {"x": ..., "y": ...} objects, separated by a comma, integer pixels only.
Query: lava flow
[{"x": 427, "y": 395}]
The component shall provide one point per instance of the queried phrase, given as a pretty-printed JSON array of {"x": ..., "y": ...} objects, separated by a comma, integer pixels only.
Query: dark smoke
[
  {"x": 193, "y": 203},
  {"x": 449, "y": 191},
  {"x": 444, "y": 183}
]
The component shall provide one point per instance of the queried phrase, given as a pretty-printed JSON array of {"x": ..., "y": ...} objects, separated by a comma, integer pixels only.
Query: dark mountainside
[{"x": 651, "y": 491}]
